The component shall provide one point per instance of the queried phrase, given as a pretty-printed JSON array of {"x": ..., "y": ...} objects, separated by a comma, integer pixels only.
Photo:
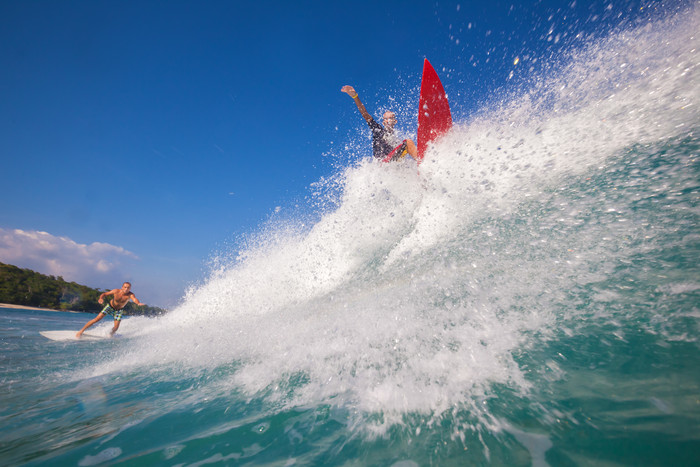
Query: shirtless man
[
  {"x": 115, "y": 307},
  {"x": 383, "y": 139}
]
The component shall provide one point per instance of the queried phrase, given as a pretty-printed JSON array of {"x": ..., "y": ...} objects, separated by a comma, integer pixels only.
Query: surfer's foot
[{"x": 78, "y": 334}]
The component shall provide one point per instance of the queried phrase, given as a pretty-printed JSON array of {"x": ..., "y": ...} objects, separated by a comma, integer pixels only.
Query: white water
[{"x": 415, "y": 293}]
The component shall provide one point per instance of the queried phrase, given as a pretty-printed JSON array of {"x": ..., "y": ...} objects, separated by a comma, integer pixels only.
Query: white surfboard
[{"x": 70, "y": 336}]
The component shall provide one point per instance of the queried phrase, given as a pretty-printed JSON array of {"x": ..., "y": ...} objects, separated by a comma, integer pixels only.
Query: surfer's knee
[{"x": 411, "y": 148}]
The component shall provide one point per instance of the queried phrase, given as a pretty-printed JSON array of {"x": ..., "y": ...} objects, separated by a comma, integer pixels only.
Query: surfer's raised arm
[{"x": 350, "y": 91}]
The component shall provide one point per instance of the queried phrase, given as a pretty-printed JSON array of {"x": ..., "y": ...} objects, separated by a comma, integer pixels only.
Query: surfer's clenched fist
[{"x": 349, "y": 90}]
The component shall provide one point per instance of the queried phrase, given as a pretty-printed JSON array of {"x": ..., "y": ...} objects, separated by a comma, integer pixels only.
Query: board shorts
[
  {"x": 398, "y": 153},
  {"x": 108, "y": 310}
]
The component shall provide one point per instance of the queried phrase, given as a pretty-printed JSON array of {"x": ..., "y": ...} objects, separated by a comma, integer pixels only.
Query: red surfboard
[{"x": 434, "y": 117}]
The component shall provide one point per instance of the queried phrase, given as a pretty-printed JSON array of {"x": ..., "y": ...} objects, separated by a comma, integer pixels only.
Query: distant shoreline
[{"x": 22, "y": 307}]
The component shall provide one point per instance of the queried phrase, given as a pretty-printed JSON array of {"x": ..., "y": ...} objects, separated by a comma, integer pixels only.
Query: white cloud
[{"x": 96, "y": 265}]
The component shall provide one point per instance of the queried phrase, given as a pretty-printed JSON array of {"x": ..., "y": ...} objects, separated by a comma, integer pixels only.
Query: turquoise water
[{"x": 530, "y": 296}]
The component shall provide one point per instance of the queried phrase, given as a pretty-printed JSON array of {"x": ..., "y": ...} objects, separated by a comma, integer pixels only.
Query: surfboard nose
[{"x": 434, "y": 116}]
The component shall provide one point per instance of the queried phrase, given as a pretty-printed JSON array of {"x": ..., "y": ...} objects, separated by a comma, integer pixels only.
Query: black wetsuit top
[{"x": 381, "y": 140}]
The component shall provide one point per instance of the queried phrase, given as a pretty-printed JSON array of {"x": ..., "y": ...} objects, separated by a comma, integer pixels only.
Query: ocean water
[{"x": 530, "y": 295}]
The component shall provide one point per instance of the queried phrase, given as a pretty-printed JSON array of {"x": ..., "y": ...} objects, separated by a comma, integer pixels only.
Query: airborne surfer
[
  {"x": 115, "y": 307},
  {"x": 383, "y": 138}
]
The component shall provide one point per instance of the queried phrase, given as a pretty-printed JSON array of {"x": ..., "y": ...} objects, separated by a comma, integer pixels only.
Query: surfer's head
[
  {"x": 389, "y": 119},
  {"x": 126, "y": 286}
]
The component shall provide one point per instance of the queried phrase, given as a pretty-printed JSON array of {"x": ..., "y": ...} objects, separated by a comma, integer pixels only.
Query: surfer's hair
[{"x": 126, "y": 283}]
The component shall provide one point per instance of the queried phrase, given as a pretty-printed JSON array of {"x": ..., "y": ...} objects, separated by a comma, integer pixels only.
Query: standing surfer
[
  {"x": 120, "y": 297},
  {"x": 383, "y": 139}
]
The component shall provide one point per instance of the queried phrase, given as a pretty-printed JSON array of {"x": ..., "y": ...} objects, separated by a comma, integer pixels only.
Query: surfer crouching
[
  {"x": 120, "y": 297},
  {"x": 383, "y": 139}
]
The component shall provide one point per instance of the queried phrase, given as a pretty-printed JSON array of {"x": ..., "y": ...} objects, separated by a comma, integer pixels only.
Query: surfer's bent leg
[
  {"x": 116, "y": 326},
  {"x": 117, "y": 321},
  {"x": 412, "y": 149}
]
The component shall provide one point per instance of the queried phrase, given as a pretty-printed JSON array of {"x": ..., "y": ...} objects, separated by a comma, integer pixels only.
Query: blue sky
[{"x": 137, "y": 138}]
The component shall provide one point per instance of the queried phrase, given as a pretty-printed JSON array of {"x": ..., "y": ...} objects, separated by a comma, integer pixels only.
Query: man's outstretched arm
[
  {"x": 350, "y": 91},
  {"x": 136, "y": 300}
]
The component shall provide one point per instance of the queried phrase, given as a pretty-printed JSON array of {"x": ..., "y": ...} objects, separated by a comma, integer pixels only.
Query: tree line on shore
[{"x": 29, "y": 288}]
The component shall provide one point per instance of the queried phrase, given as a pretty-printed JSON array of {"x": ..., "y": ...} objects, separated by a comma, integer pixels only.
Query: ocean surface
[{"x": 530, "y": 295}]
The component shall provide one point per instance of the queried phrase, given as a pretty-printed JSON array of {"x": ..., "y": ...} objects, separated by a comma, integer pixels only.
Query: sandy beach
[{"x": 22, "y": 307}]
